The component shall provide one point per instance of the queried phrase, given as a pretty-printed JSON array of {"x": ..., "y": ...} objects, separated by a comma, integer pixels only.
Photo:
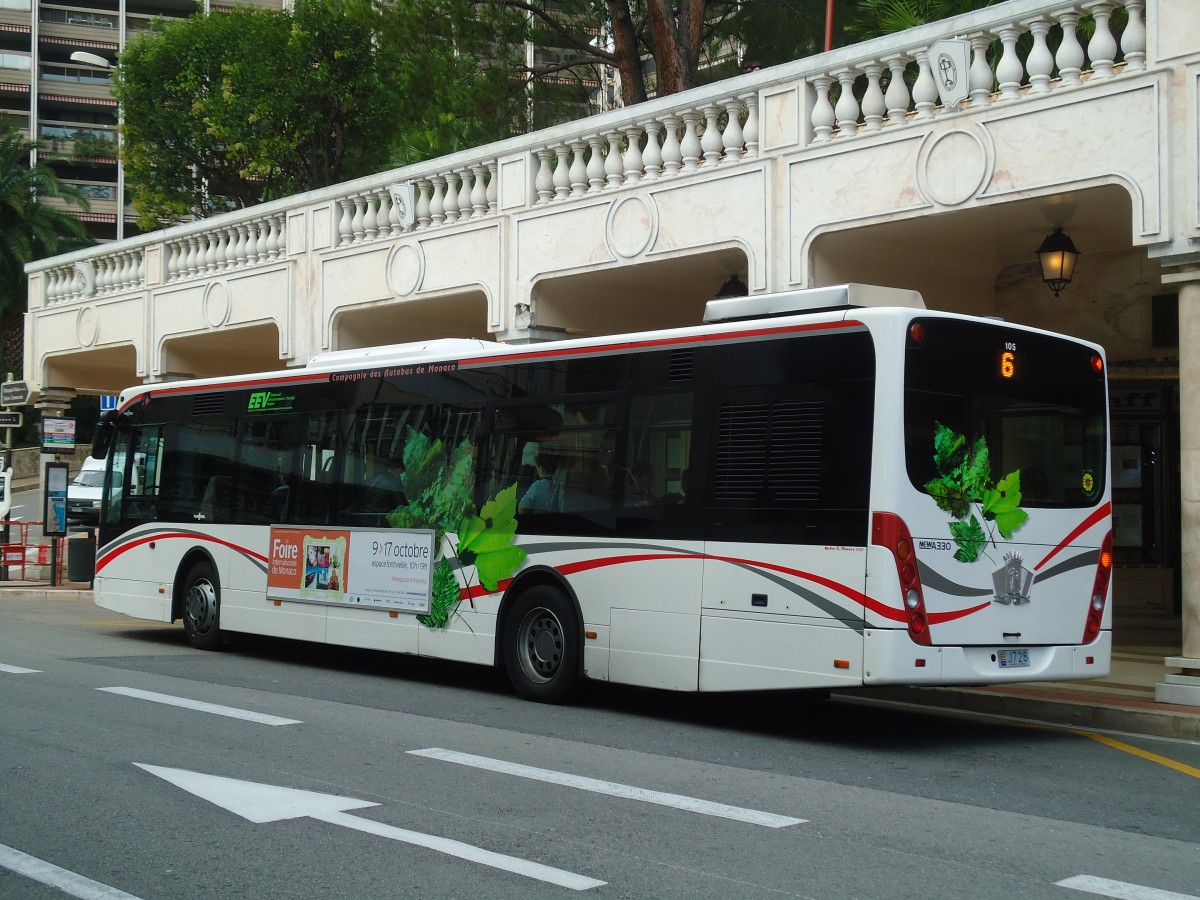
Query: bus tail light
[
  {"x": 1095, "y": 613},
  {"x": 888, "y": 530}
]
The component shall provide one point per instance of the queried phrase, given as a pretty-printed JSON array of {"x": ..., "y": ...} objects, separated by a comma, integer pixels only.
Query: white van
[{"x": 84, "y": 493}]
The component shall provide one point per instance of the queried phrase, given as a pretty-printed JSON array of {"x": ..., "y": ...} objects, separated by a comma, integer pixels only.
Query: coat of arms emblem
[{"x": 1012, "y": 581}]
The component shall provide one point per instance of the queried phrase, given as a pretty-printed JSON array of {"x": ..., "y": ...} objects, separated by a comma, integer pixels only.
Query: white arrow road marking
[
  {"x": 268, "y": 803},
  {"x": 17, "y": 670},
  {"x": 228, "y": 711},
  {"x": 678, "y": 801},
  {"x": 1119, "y": 889},
  {"x": 64, "y": 879}
]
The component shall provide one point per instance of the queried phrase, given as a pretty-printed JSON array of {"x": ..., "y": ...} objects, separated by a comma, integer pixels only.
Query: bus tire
[
  {"x": 541, "y": 645},
  {"x": 202, "y": 607}
]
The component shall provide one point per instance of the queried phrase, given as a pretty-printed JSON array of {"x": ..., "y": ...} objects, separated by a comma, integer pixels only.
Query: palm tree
[
  {"x": 29, "y": 230},
  {"x": 871, "y": 18}
]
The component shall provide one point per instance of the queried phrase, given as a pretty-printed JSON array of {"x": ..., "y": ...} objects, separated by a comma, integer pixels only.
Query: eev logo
[{"x": 269, "y": 400}]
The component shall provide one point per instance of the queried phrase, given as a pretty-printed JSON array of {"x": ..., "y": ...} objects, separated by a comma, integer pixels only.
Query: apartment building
[{"x": 55, "y": 86}]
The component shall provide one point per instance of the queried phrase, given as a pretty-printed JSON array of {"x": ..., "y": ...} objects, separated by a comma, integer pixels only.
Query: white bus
[{"x": 819, "y": 489}]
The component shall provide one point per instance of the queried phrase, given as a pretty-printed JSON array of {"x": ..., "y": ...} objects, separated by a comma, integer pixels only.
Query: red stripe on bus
[
  {"x": 126, "y": 547},
  {"x": 1083, "y": 526},
  {"x": 896, "y": 615},
  {"x": 229, "y": 386},
  {"x": 887, "y": 612},
  {"x": 935, "y": 618}
]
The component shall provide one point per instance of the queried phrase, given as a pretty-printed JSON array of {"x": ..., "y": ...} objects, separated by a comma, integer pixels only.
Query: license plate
[{"x": 1013, "y": 659}]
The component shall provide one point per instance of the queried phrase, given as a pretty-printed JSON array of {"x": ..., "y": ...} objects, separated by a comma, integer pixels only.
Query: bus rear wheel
[
  {"x": 541, "y": 645},
  {"x": 202, "y": 607}
]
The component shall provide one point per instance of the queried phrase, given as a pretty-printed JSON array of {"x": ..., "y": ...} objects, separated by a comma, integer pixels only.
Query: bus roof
[
  {"x": 835, "y": 296},
  {"x": 763, "y": 312}
]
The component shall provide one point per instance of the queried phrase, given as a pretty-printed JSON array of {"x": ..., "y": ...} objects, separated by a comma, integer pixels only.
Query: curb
[
  {"x": 47, "y": 593},
  {"x": 1084, "y": 712}
]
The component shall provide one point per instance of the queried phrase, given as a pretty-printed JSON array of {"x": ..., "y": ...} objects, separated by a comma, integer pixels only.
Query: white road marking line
[
  {"x": 17, "y": 670},
  {"x": 469, "y": 852},
  {"x": 199, "y": 706},
  {"x": 677, "y": 801},
  {"x": 65, "y": 880},
  {"x": 1119, "y": 889}
]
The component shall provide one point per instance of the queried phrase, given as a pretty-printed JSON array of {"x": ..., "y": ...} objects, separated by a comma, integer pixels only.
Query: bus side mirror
[{"x": 105, "y": 429}]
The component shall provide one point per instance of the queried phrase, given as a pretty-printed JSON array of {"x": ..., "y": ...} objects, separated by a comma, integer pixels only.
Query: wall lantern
[{"x": 1058, "y": 255}]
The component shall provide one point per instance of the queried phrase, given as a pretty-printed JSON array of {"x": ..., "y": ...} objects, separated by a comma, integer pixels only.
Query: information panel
[
  {"x": 54, "y": 515},
  {"x": 58, "y": 435},
  {"x": 383, "y": 569}
]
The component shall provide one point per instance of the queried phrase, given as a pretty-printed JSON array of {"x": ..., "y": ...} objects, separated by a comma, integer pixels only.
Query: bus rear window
[{"x": 1034, "y": 402}]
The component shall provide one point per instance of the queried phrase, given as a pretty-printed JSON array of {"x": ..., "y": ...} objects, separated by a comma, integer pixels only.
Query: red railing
[{"x": 20, "y": 553}]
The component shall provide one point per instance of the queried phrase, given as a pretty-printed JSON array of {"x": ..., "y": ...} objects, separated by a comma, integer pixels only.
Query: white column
[
  {"x": 631, "y": 160},
  {"x": 595, "y": 165},
  {"x": 822, "y": 112},
  {"x": 873, "y": 105},
  {"x": 1185, "y": 688},
  {"x": 1040, "y": 63},
  {"x": 896, "y": 97},
  {"x": 846, "y": 111},
  {"x": 1070, "y": 53},
  {"x": 1189, "y": 447},
  {"x": 1102, "y": 48},
  {"x": 1009, "y": 70}
]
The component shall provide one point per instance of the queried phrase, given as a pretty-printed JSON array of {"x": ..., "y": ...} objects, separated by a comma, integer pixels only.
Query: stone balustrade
[
  {"x": 96, "y": 275},
  {"x": 852, "y": 91},
  {"x": 997, "y": 73},
  {"x": 225, "y": 248}
]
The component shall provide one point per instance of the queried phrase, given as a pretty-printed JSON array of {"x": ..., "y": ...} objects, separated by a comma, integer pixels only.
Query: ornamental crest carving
[{"x": 1012, "y": 581}]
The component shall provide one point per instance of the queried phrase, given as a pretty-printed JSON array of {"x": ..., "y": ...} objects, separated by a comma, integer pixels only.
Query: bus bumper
[
  {"x": 890, "y": 657},
  {"x": 134, "y": 598}
]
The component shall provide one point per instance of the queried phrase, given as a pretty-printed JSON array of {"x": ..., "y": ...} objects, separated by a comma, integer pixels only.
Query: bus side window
[
  {"x": 660, "y": 447},
  {"x": 657, "y": 461}
]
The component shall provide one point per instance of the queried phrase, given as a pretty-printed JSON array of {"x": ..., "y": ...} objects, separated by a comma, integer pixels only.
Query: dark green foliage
[
  {"x": 438, "y": 487},
  {"x": 29, "y": 230},
  {"x": 965, "y": 478}
]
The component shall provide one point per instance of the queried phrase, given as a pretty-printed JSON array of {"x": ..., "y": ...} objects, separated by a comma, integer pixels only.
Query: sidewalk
[{"x": 1124, "y": 701}]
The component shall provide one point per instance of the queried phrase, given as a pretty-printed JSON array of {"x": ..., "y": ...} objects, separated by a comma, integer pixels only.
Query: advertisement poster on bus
[{"x": 390, "y": 569}]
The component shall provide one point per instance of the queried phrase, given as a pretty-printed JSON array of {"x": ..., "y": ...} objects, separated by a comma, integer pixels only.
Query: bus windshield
[{"x": 1036, "y": 401}]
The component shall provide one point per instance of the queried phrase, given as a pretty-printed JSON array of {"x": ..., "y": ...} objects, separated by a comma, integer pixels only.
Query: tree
[
  {"x": 618, "y": 34},
  {"x": 231, "y": 109},
  {"x": 872, "y": 18},
  {"x": 29, "y": 230}
]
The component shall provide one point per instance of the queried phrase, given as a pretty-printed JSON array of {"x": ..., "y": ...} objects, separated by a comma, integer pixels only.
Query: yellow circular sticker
[{"x": 1088, "y": 483}]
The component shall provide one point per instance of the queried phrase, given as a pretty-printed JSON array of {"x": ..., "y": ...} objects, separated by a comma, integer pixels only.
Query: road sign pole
[{"x": 4, "y": 535}]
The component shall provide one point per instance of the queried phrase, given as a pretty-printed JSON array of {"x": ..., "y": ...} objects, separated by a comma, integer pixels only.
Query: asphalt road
[{"x": 107, "y": 784}]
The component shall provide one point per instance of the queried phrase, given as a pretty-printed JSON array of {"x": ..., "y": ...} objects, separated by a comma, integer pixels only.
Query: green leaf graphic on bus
[
  {"x": 485, "y": 540},
  {"x": 438, "y": 487},
  {"x": 965, "y": 479}
]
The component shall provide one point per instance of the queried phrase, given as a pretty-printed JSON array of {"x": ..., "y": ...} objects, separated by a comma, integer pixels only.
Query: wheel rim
[
  {"x": 202, "y": 606},
  {"x": 540, "y": 645}
]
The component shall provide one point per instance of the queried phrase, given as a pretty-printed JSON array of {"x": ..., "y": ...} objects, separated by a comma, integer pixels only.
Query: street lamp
[{"x": 1057, "y": 255}]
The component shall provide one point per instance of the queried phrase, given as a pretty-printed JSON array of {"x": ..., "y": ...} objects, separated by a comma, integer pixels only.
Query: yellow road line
[{"x": 1144, "y": 754}]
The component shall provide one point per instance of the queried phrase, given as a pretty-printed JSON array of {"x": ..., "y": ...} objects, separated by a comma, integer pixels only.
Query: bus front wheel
[
  {"x": 542, "y": 645},
  {"x": 202, "y": 607}
]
